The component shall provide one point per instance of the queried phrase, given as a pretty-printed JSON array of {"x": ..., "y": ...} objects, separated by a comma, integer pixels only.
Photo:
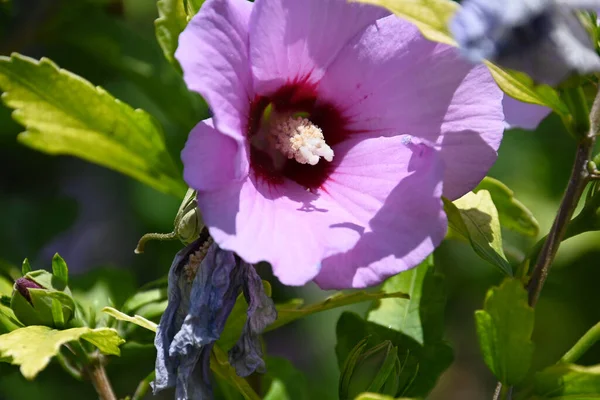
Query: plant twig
[
  {"x": 97, "y": 374},
  {"x": 577, "y": 182},
  {"x": 582, "y": 345}
]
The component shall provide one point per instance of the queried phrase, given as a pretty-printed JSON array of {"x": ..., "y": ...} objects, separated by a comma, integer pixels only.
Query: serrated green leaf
[
  {"x": 32, "y": 347},
  {"x": 432, "y": 18},
  {"x": 474, "y": 217},
  {"x": 172, "y": 20},
  {"x": 568, "y": 381},
  {"x": 65, "y": 114},
  {"x": 26, "y": 267},
  {"x": 420, "y": 317},
  {"x": 504, "y": 329},
  {"x": 59, "y": 268},
  {"x": 512, "y": 213},
  {"x": 136, "y": 319}
]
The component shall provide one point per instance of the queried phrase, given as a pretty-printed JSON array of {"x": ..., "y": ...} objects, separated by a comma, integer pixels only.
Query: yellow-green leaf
[
  {"x": 521, "y": 87},
  {"x": 65, "y": 114},
  {"x": 32, "y": 347},
  {"x": 430, "y": 16},
  {"x": 512, "y": 213},
  {"x": 474, "y": 217},
  {"x": 568, "y": 381},
  {"x": 136, "y": 319},
  {"x": 172, "y": 20}
]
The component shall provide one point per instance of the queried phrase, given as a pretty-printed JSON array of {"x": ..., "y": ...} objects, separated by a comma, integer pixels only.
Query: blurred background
[{"x": 93, "y": 216}]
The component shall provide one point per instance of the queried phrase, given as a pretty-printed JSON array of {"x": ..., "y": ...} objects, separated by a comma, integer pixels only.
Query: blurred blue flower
[
  {"x": 543, "y": 38},
  {"x": 204, "y": 283}
]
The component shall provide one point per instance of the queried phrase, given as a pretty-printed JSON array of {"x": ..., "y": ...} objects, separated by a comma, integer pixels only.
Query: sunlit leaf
[
  {"x": 474, "y": 218},
  {"x": 504, "y": 329},
  {"x": 512, "y": 213},
  {"x": 172, "y": 19},
  {"x": 422, "y": 315},
  {"x": 32, "y": 347},
  {"x": 430, "y": 16},
  {"x": 521, "y": 87},
  {"x": 65, "y": 114},
  {"x": 59, "y": 268},
  {"x": 136, "y": 319}
]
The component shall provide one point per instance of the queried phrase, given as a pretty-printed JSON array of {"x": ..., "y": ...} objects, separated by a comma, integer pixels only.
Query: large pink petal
[
  {"x": 393, "y": 190},
  {"x": 523, "y": 115},
  {"x": 213, "y": 53},
  {"x": 297, "y": 39},
  {"x": 207, "y": 158},
  {"x": 391, "y": 81},
  {"x": 284, "y": 225}
]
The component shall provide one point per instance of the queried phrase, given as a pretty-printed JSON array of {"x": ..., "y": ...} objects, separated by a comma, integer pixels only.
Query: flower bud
[
  {"x": 375, "y": 370},
  {"x": 40, "y": 298}
]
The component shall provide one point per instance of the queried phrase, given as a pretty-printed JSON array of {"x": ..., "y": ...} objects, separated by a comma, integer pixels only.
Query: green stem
[
  {"x": 582, "y": 345},
  {"x": 502, "y": 392},
  {"x": 143, "y": 386},
  {"x": 577, "y": 182},
  {"x": 97, "y": 374},
  {"x": 66, "y": 364},
  {"x": 153, "y": 236}
]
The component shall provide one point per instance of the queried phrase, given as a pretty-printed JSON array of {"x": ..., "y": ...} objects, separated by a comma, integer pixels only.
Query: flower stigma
[{"x": 299, "y": 139}]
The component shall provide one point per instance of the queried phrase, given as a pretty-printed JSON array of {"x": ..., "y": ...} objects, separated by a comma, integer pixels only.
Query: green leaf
[
  {"x": 32, "y": 347},
  {"x": 504, "y": 329},
  {"x": 59, "y": 268},
  {"x": 136, "y": 319},
  {"x": 284, "y": 381},
  {"x": 420, "y": 317},
  {"x": 193, "y": 6},
  {"x": 512, "y": 213},
  {"x": 65, "y": 114},
  {"x": 26, "y": 267},
  {"x": 568, "y": 381},
  {"x": 521, "y": 87},
  {"x": 8, "y": 320},
  {"x": 430, "y": 16},
  {"x": 141, "y": 299},
  {"x": 172, "y": 20},
  {"x": 474, "y": 218}
]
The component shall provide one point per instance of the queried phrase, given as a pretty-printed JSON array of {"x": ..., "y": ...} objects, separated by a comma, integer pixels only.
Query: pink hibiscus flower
[{"x": 336, "y": 130}]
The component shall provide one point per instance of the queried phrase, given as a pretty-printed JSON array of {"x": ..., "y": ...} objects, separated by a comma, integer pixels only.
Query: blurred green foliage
[{"x": 52, "y": 203}]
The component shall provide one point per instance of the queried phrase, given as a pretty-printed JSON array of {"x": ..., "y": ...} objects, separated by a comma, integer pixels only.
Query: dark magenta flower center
[{"x": 296, "y": 97}]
